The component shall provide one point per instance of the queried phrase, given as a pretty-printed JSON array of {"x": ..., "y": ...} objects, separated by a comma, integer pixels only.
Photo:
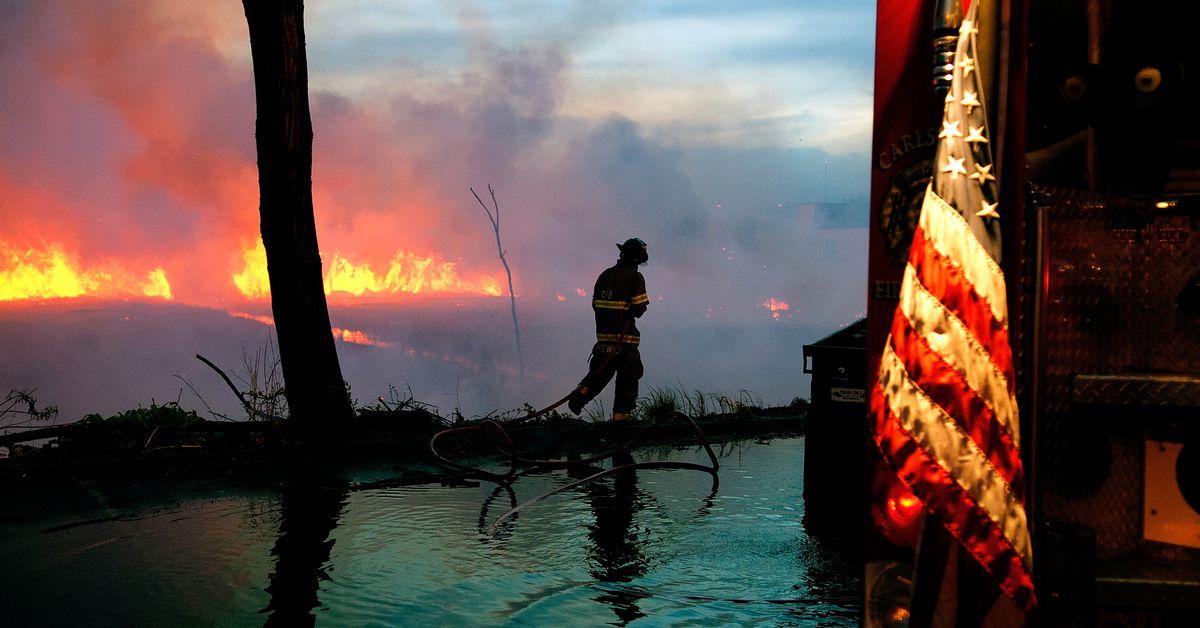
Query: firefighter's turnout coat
[{"x": 619, "y": 296}]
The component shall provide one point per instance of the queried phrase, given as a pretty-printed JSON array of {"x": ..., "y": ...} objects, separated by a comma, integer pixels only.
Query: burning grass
[
  {"x": 406, "y": 273},
  {"x": 52, "y": 273}
]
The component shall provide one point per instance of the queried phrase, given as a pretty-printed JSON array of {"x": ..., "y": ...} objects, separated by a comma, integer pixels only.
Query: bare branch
[
  {"x": 251, "y": 411},
  {"x": 495, "y": 223},
  {"x": 201, "y": 398},
  {"x": 496, "y": 204},
  {"x": 495, "y": 220}
]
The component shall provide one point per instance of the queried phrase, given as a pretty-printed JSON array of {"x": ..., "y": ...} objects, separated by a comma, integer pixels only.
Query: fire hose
[
  {"x": 526, "y": 465},
  {"x": 519, "y": 465}
]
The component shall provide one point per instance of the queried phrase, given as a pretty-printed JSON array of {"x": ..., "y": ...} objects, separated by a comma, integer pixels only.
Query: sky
[
  {"x": 127, "y": 164},
  {"x": 744, "y": 74}
]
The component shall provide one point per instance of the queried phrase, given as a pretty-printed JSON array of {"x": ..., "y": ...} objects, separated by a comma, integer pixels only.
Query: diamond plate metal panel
[
  {"x": 1144, "y": 390},
  {"x": 1110, "y": 327}
]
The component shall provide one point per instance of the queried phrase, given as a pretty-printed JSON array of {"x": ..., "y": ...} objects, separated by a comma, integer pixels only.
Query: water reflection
[
  {"x": 506, "y": 489},
  {"x": 615, "y": 547},
  {"x": 635, "y": 546},
  {"x": 831, "y": 555},
  {"x": 310, "y": 507}
]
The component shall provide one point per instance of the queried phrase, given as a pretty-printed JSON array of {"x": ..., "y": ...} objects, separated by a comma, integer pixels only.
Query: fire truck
[{"x": 1092, "y": 106}]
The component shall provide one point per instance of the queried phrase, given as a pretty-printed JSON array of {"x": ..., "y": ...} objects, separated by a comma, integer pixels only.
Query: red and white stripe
[{"x": 944, "y": 411}]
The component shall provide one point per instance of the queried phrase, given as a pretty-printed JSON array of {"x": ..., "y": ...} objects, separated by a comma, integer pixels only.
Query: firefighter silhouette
[{"x": 618, "y": 298}]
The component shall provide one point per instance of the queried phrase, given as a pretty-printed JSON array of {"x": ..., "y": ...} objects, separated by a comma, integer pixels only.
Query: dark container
[{"x": 836, "y": 428}]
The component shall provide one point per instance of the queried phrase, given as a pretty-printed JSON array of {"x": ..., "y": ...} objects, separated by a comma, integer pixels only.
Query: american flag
[{"x": 944, "y": 411}]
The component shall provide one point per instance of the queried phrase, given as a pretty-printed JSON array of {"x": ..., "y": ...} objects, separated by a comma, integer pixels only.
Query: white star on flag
[
  {"x": 988, "y": 211},
  {"x": 970, "y": 101},
  {"x": 975, "y": 135},
  {"x": 967, "y": 65},
  {"x": 954, "y": 167},
  {"x": 950, "y": 129},
  {"x": 983, "y": 173}
]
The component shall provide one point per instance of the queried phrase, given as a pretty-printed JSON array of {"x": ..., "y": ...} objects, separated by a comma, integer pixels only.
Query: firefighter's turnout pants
[
  {"x": 618, "y": 298},
  {"x": 626, "y": 364}
]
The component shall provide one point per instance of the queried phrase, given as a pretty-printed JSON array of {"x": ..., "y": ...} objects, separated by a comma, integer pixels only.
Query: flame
[
  {"x": 580, "y": 292},
  {"x": 346, "y": 277},
  {"x": 51, "y": 273},
  {"x": 252, "y": 281},
  {"x": 407, "y": 273},
  {"x": 559, "y": 296},
  {"x": 352, "y": 336},
  {"x": 776, "y": 306},
  {"x": 157, "y": 285}
]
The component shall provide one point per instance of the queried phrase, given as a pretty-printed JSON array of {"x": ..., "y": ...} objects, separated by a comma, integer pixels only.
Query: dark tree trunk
[{"x": 316, "y": 394}]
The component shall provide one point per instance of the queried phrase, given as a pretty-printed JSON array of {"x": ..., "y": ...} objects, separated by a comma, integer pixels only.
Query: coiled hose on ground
[{"x": 519, "y": 465}]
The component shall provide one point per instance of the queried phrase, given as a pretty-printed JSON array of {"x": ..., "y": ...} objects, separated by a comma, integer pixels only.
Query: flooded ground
[{"x": 648, "y": 546}]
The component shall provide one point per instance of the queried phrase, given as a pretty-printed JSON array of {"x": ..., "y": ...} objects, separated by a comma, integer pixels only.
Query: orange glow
[
  {"x": 407, "y": 273},
  {"x": 352, "y": 336},
  {"x": 559, "y": 296},
  {"x": 899, "y": 518},
  {"x": 580, "y": 292},
  {"x": 775, "y": 306},
  {"x": 265, "y": 320},
  {"x": 356, "y": 337},
  {"x": 50, "y": 273}
]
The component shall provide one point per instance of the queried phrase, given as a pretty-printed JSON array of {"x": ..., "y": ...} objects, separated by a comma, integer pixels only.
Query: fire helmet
[{"x": 634, "y": 249}]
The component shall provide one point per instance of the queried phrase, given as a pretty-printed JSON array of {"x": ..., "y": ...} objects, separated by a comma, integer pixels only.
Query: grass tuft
[{"x": 661, "y": 402}]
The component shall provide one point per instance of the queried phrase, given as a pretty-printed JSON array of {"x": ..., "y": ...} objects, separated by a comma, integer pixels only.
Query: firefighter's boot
[{"x": 577, "y": 401}]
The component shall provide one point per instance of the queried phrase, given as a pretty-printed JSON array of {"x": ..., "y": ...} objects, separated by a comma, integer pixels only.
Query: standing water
[{"x": 343, "y": 547}]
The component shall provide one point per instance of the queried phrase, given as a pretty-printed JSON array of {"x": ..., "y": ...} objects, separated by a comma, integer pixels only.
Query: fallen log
[
  {"x": 53, "y": 431},
  {"x": 205, "y": 426}
]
